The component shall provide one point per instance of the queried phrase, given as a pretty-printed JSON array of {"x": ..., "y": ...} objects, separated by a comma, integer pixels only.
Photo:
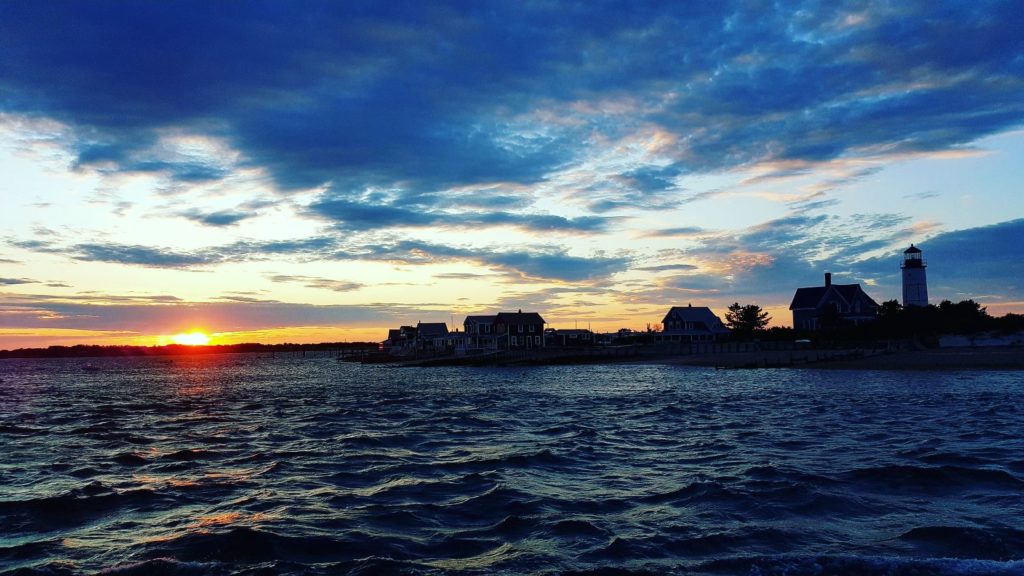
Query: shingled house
[
  {"x": 842, "y": 302},
  {"x": 479, "y": 332},
  {"x": 518, "y": 330},
  {"x": 691, "y": 324}
]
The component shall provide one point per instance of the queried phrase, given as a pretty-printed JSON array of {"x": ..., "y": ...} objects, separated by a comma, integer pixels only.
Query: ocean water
[{"x": 241, "y": 464}]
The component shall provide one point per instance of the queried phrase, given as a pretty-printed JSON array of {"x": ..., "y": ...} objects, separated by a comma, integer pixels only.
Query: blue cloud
[
  {"x": 428, "y": 96},
  {"x": 358, "y": 216},
  {"x": 140, "y": 255},
  {"x": 219, "y": 218},
  {"x": 550, "y": 264},
  {"x": 537, "y": 264}
]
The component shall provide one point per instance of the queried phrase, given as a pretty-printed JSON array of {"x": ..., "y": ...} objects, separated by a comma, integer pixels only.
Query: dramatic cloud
[
  {"x": 657, "y": 150},
  {"x": 429, "y": 96}
]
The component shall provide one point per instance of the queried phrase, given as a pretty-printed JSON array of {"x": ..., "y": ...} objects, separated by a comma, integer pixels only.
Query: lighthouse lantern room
[{"x": 915, "y": 283}]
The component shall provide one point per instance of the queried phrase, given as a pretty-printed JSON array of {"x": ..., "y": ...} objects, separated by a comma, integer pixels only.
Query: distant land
[{"x": 95, "y": 351}]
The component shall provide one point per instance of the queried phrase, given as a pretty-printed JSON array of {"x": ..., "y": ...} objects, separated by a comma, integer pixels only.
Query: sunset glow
[{"x": 191, "y": 339}]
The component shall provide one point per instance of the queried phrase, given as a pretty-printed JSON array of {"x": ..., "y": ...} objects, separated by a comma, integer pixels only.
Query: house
[
  {"x": 691, "y": 324},
  {"x": 818, "y": 306},
  {"x": 431, "y": 336},
  {"x": 569, "y": 338},
  {"x": 401, "y": 342},
  {"x": 518, "y": 330},
  {"x": 479, "y": 333}
]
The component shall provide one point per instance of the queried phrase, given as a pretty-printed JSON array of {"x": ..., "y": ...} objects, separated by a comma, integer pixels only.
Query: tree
[
  {"x": 746, "y": 319},
  {"x": 890, "y": 309}
]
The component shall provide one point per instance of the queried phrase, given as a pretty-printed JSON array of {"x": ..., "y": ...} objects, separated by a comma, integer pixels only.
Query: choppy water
[{"x": 249, "y": 465}]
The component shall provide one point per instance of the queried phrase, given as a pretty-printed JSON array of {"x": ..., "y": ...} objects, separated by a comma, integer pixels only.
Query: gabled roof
[
  {"x": 432, "y": 329},
  {"x": 519, "y": 318},
  {"x": 813, "y": 296},
  {"x": 480, "y": 319},
  {"x": 701, "y": 314},
  {"x": 808, "y": 297}
]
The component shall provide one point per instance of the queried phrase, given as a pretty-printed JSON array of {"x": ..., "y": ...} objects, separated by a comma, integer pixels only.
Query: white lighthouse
[{"x": 915, "y": 284}]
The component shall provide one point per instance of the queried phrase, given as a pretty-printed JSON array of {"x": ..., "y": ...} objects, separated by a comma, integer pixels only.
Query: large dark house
[
  {"x": 518, "y": 330},
  {"x": 431, "y": 335},
  {"x": 815, "y": 307},
  {"x": 479, "y": 332},
  {"x": 691, "y": 324}
]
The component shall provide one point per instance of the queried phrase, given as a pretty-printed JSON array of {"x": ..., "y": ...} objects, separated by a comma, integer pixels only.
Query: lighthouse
[{"x": 915, "y": 284}]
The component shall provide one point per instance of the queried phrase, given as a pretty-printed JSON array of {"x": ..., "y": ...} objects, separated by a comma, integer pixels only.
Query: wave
[
  {"x": 934, "y": 478},
  {"x": 163, "y": 567},
  {"x": 190, "y": 454},
  {"x": 20, "y": 430},
  {"x": 74, "y": 506},
  {"x": 968, "y": 542},
  {"x": 861, "y": 566}
]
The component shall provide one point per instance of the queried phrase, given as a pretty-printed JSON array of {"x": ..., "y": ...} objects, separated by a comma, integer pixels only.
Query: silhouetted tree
[
  {"x": 890, "y": 309},
  {"x": 745, "y": 320}
]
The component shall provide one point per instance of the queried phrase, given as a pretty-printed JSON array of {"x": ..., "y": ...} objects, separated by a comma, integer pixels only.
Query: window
[
  {"x": 513, "y": 341},
  {"x": 536, "y": 339},
  {"x": 520, "y": 328},
  {"x": 532, "y": 328}
]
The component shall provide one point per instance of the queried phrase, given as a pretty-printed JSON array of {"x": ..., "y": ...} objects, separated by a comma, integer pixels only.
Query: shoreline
[
  {"x": 941, "y": 359},
  {"x": 976, "y": 358}
]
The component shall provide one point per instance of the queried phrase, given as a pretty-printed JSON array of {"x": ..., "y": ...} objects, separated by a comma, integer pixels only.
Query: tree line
[
  {"x": 893, "y": 320},
  {"x": 96, "y": 351}
]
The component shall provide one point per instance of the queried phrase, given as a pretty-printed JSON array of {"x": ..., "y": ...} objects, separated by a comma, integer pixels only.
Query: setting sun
[{"x": 191, "y": 339}]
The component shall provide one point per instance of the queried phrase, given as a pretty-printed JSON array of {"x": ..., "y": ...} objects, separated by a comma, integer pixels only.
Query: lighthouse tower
[{"x": 915, "y": 284}]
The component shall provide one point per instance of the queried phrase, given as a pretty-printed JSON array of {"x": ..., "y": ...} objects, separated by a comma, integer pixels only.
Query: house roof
[
  {"x": 432, "y": 328},
  {"x": 701, "y": 314},
  {"x": 812, "y": 296},
  {"x": 519, "y": 318},
  {"x": 480, "y": 319}
]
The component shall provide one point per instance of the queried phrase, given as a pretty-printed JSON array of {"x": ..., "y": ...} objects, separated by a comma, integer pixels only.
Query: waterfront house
[
  {"x": 569, "y": 338},
  {"x": 819, "y": 307},
  {"x": 518, "y": 330},
  {"x": 691, "y": 324},
  {"x": 479, "y": 333},
  {"x": 401, "y": 341},
  {"x": 431, "y": 336}
]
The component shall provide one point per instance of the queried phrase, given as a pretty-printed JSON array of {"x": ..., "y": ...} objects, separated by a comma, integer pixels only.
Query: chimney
[{"x": 828, "y": 278}]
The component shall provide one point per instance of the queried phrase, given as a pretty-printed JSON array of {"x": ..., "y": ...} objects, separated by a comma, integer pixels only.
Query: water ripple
[{"x": 241, "y": 465}]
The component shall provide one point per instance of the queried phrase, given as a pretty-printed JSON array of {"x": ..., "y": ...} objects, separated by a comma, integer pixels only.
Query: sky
[{"x": 321, "y": 171}]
